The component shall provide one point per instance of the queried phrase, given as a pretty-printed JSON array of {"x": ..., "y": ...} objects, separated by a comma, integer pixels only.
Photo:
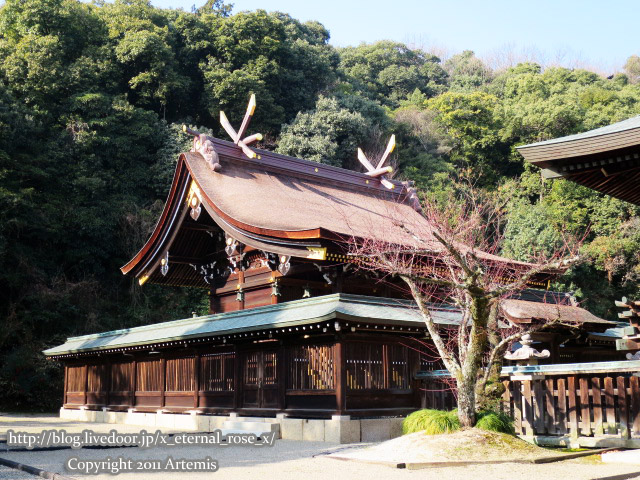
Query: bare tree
[{"x": 449, "y": 257}]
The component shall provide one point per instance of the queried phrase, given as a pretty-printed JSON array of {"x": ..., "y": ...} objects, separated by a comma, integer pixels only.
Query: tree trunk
[
  {"x": 489, "y": 393},
  {"x": 490, "y": 389},
  {"x": 466, "y": 402},
  {"x": 468, "y": 377}
]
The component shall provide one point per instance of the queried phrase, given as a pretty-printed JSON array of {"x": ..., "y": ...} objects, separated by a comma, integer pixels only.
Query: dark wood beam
[
  {"x": 185, "y": 260},
  {"x": 609, "y": 171},
  {"x": 200, "y": 227}
]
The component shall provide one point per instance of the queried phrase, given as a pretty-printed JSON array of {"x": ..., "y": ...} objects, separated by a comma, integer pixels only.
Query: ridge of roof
[
  {"x": 628, "y": 124},
  {"x": 308, "y": 169}
]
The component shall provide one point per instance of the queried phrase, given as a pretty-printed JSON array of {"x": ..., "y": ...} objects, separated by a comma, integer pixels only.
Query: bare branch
[
  {"x": 449, "y": 361},
  {"x": 525, "y": 277}
]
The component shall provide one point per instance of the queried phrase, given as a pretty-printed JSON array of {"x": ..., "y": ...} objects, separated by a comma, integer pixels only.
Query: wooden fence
[
  {"x": 578, "y": 405},
  {"x": 599, "y": 399}
]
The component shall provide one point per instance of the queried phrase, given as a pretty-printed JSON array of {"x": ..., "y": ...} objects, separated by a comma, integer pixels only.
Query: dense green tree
[
  {"x": 472, "y": 129},
  {"x": 632, "y": 68},
  {"x": 284, "y": 62},
  {"x": 332, "y": 132},
  {"x": 389, "y": 71},
  {"x": 467, "y": 72}
]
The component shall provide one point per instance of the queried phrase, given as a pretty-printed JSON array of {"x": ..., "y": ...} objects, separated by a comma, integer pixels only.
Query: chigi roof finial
[
  {"x": 237, "y": 136},
  {"x": 379, "y": 170}
]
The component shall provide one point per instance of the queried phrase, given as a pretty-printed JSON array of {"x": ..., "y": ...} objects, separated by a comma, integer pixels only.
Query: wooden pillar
[
  {"x": 66, "y": 387},
  {"x": 413, "y": 367},
  {"x": 134, "y": 382},
  {"x": 214, "y": 303},
  {"x": 196, "y": 380},
  {"x": 574, "y": 428},
  {"x": 107, "y": 384},
  {"x": 340, "y": 372},
  {"x": 163, "y": 380},
  {"x": 623, "y": 407},
  {"x": 85, "y": 376},
  {"x": 237, "y": 378},
  {"x": 386, "y": 366},
  {"x": 283, "y": 368},
  {"x": 338, "y": 283}
]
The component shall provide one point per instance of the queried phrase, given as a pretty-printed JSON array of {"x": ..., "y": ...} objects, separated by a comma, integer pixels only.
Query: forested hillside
[{"x": 92, "y": 97}]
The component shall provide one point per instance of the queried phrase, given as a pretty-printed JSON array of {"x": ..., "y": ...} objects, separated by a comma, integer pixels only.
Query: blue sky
[{"x": 599, "y": 34}]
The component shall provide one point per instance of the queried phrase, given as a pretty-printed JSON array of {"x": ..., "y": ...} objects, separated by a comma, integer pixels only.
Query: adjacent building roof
[
  {"x": 606, "y": 159},
  {"x": 373, "y": 311},
  {"x": 522, "y": 311}
]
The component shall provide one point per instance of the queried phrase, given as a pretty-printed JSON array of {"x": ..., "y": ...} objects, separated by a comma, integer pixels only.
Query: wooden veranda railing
[{"x": 599, "y": 399}]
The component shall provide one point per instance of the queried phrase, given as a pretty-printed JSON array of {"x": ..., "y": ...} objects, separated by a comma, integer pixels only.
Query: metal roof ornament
[
  {"x": 526, "y": 353},
  {"x": 194, "y": 199},
  {"x": 379, "y": 170},
  {"x": 237, "y": 136},
  {"x": 164, "y": 264},
  {"x": 285, "y": 264}
]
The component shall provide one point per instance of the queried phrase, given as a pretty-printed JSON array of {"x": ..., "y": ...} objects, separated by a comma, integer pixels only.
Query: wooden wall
[{"x": 313, "y": 378}]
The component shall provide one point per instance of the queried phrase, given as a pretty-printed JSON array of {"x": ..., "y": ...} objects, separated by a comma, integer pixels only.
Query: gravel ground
[
  {"x": 290, "y": 460},
  {"x": 286, "y": 460},
  {"x": 11, "y": 474}
]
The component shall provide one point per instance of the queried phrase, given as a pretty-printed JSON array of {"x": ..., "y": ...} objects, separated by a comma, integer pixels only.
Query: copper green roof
[
  {"x": 628, "y": 124},
  {"x": 373, "y": 310},
  {"x": 605, "y": 159}
]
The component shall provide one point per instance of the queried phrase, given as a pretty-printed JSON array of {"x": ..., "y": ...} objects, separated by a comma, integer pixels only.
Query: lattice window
[
  {"x": 180, "y": 375},
  {"x": 75, "y": 379},
  {"x": 149, "y": 376},
  {"x": 217, "y": 372},
  {"x": 365, "y": 366},
  {"x": 270, "y": 368},
  {"x": 398, "y": 366},
  {"x": 311, "y": 368},
  {"x": 251, "y": 368},
  {"x": 376, "y": 366}
]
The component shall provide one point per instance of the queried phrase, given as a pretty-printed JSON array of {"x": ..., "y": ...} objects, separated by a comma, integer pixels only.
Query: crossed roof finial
[
  {"x": 237, "y": 136},
  {"x": 379, "y": 170}
]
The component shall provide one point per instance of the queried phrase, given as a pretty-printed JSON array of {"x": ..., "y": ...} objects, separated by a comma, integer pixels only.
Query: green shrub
[
  {"x": 495, "y": 422},
  {"x": 432, "y": 422}
]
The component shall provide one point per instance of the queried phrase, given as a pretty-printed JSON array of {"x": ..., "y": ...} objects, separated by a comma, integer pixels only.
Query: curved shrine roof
[{"x": 283, "y": 205}]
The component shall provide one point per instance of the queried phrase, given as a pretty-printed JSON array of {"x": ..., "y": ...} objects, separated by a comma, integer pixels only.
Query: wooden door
[{"x": 260, "y": 377}]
